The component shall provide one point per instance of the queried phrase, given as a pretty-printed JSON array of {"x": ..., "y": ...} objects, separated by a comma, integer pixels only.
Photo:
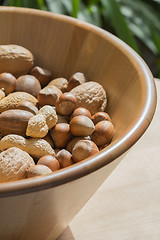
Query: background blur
[{"x": 137, "y": 22}]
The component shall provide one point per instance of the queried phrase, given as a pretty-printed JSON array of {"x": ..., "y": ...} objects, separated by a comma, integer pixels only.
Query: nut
[
  {"x": 13, "y": 164},
  {"x": 39, "y": 125},
  {"x": 7, "y": 82},
  {"x": 84, "y": 149},
  {"x": 43, "y": 75},
  {"x": 2, "y": 94},
  {"x": 81, "y": 126},
  {"x": 60, "y": 83},
  {"x": 66, "y": 104},
  {"x": 13, "y": 99},
  {"x": 60, "y": 135},
  {"x": 38, "y": 170},
  {"x": 65, "y": 158},
  {"x": 37, "y": 148},
  {"x": 49, "y": 95},
  {"x": 80, "y": 111},
  {"x": 49, "y": 161},
  {"x": 76, "y": 80},
  {"x": 73, "y": 141},
  {"x": 103, "y": 133},
  {"x": 90, "y": 95},
  {"x": 27, "y": 106},
  {"x": 62, "y": 119},
  {"x": 100, "y": 116},
  {"x": 14, "y": 122},
  {"x": 15, "y": 59},
  {"x": 29, "y": 84},
  {"x": 49, "y": 140}
]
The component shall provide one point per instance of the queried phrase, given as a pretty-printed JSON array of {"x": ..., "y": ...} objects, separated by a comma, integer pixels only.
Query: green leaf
[{"x": 75, "y": 5}]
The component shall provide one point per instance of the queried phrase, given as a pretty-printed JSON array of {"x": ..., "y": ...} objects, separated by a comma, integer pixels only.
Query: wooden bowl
[{"x": 40, "y": 208}]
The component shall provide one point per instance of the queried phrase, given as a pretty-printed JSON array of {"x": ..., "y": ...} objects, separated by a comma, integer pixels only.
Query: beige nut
[
  {"x": 76, "y": 80},
  {"x": 60, "y": 135},
  {"x": 13, "y": 164},
  {"x": 43, "y": 75},
  {"x": 50, "y": 162},
  {"x": 14, "y": 121},
  {"x": 60, "y": 83},
  {"x": 49, "y": 95},
  {"x": 84, "y": 149},
  {"x": 15, "y": 59},
  {"x": 37, "y": 148},
  {"x": 38, "y": 170},
  {"x": 27, "y": 106},
  {"x": 29, "y": 84},
  {"x": 81, "y": 126},
  {"x": 65, "y": 158},
  {"x": 13, "y": 99},
  {"x": 39, "y": 125},
  {"x": 103, "y": 133},
  {"x": 2, "y": 94},
  {"x": 7, "y": 82},
  {"x": 90, "y": 95}
]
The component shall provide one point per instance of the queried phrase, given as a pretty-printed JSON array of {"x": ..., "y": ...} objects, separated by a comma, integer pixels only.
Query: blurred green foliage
[{"x": 134, "y": 21}]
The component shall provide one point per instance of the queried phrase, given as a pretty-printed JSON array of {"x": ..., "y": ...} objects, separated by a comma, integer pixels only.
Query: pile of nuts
[{"x": 47, "y": 124}]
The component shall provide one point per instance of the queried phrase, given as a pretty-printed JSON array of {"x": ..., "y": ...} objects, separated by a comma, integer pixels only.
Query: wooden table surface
[{"x": 127, "y": 206}]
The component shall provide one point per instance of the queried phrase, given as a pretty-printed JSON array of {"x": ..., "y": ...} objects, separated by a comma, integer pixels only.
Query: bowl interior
[{"x": 65, "y": 45}]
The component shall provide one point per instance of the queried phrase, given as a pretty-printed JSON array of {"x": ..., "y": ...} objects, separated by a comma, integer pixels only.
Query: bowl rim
[{"x": 109, "y": 153}]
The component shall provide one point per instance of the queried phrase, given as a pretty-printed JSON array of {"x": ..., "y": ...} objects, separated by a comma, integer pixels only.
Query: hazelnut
[
  {"x": 49, "y": 139},
  {"x": 81, "y": 111},
  {"x": 43, "y": 75},
  {"x": 60, "y": 135},
  {"x": 62, "y": 119},
  {"x": 49, "y": 161},
  {"x": 84, "y": 149},
  {"x": 49, "y": 95},
  {"x": 60, "y": 83},
  {"x": 100, "y": 116},
  {"x": 28, "y": 106},
  {"x": 75, "y": 80},
  {"x": 29, "y": 84},
  {"x": 73, "y": 141},
  {"x": 103, "y": 133},
  {"x": 66, "y": 104},
  {"x": 81, "y": 126},
  {"x": 7, "y": 82},
  {"x": 65, "y": 158},
  {"x": 38, "y": 170}
]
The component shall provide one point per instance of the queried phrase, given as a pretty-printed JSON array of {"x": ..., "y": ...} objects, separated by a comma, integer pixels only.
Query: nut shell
[
  {"x": 43, "y": 75},
  {"x": 49, "y": 95},
  {"x": 60, "y": 135},
  {"x": 38, "y": 170},
  {"x": 27, "y": 106},
  {"x": 7, "y": 82},
  {"x": 100, "y": 116},
  {"x": 60, "y": 83},
  {"x": 49, "y": 161},
  {"x": 66, "y": 104},
  {"x": 65, "y": 158},
  {"x": 76, "y": 80}
]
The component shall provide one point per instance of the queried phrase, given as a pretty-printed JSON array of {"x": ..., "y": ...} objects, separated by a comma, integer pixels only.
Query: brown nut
[
  {"x": 27, "y": 106},
  {"x": 100, "y": 116},
  {"x": 7, "y": 82},
  {"x": 14, "y": 121},
  {"x": 60, "y": 83},
  {"x": 13, "y": 99},
  {"x": 80, "y": 111},
  {"x": 65, "y": 158},
  {"x": 73, "y": 141},
  {"x": 83, "y": 149},
  {"x": 38, "y": 170},
  {"x": 90, "y": 95},
  {"x": 13, "y": 164},
  {"x": 81, "y": 126},
  {"x": 75, "y": 80},
  {"x": 49, "y": 139},
  {"x": 49, "y": 161},
  {"x": 62, "y": 119},
  {"x": 103, "y": 133},
  {"x": 66, "y": 104},
  {"x": 43, "y": 75},
  {"x": 29, "y": 84},
  {"x": 49, "y": 95},
  {"x": 60, "y": 135}
]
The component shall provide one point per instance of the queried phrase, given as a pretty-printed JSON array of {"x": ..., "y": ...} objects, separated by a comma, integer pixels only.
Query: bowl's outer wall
[{"x": 65, "y": 46}]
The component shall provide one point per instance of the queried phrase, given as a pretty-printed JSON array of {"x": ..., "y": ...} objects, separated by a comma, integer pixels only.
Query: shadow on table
[{"x": 66, "y": 235}]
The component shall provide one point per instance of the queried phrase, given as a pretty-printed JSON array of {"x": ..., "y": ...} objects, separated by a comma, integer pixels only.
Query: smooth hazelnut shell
[
  {"x": 29, "y": 84},
  {"x": 49, "y": 161},
  {"x": 65, "y": 158},
  {"x": 48, "y": 95},
  {"x": 84, "y": 149},
  {"x": 66, "y": 104},
  {"x": 103, "y": 133},
  {"x": 100, "y": 116},
  {"x": 75, "y": 80},
  {"x": 8, "y": 82},
  {"x": 81, "y": 111},
  {"x": 43, "y": 75}
]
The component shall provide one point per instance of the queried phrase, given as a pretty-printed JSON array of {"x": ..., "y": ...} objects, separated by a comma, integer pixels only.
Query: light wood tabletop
[{"x": 127, "y": 205}]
